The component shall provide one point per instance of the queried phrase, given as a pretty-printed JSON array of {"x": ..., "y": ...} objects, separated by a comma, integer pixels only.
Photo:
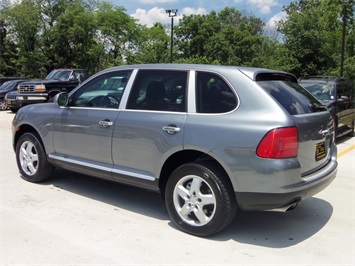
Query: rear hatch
[{"x": 313, "y": 120}]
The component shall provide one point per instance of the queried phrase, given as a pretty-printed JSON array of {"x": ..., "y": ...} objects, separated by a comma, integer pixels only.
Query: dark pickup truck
[
  {"x": 337, "y": 94},
  {"x": 58, "y": 80}
]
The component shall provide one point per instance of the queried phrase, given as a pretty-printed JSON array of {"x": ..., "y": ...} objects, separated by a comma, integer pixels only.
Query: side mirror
[{"x": 61, "y": 99}]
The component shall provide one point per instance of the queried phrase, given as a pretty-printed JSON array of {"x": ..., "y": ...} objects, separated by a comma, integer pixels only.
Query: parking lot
[{"x": 74, "y": 219}]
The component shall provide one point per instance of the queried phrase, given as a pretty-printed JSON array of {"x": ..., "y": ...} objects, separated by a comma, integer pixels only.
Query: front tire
[
  {"x": 200, "y": 199},
  {"x": 32, "y": 159}
]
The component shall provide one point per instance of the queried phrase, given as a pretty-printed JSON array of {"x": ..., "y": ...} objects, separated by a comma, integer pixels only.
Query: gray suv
[{"x": 213, "y": 140}]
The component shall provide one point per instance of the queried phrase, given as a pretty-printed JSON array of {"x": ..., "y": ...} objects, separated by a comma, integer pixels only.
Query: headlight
[{"x": 40, "y": 88}]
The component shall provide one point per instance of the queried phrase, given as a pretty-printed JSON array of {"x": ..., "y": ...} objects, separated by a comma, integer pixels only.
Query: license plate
[
  {"x": 320, "y": 151},
  {"x": 8, "y": 102}
]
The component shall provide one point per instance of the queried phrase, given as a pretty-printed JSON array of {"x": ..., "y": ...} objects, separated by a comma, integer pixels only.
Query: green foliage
[
  {"x": 151, "y": 46},
  {"x": 228, "y": 37},
  {"x": 39, "y": 35},
  {"x": 22, "y": 27},
  {"x": 73, "y": 36},
  {"x": 312, "y": 36},
  {"x": 116, "y": 30}
]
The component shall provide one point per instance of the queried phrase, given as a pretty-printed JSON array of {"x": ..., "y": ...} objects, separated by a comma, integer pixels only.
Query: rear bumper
[{"x": 272, "y": 201}]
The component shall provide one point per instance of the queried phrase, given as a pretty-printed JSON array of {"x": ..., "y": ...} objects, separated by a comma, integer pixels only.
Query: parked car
[
  {"x": 4, "y": 79},
  {"x": 5, "y": 88},
  {"x": 212, "y": 140},
  {"x": 58, "y": 80},
  {"x": 338, "y": 95},
  {"x": 11, "y": 100}
]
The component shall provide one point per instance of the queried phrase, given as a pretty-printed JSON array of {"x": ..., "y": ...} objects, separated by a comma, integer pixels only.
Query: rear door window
[{"x": 159, "y": 90}]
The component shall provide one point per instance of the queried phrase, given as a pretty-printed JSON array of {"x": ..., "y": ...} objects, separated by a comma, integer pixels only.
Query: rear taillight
[{"x": 279, "y": 143}]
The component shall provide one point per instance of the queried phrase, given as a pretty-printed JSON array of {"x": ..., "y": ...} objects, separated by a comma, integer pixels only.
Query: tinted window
[
  {"x": 7, "y": 85},
  {"x": 344, "y": 90},
  {"x": 104, "y": 91},
  {"x": 159, "y": 90},
  {"x": 213, "y": 94},
  {"x": 293, "y": 97}
]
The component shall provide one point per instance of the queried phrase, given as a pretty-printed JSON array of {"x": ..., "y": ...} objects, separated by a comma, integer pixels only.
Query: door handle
[
  {"x": 171, "y": 129},
  {"x": 105, "y": 123}
]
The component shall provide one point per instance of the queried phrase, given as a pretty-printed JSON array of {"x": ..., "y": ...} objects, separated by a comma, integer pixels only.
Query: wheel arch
[
  {"x": 26, "y": 129},
  {"x": 186, "y": 156}
]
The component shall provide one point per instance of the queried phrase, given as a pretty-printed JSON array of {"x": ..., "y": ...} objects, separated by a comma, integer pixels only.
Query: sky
[{"x": 150, "y": 11}]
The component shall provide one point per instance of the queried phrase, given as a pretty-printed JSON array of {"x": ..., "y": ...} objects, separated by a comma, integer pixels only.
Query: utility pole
[
  {"x": 172, "y": 14},
  {"x": 343, "y": 40}
]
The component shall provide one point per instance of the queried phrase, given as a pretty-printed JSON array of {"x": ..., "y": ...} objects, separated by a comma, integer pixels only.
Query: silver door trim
[{"x": 102, "y": 168}]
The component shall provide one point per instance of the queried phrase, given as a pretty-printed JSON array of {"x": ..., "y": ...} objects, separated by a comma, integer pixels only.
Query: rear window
[{"x": 294, "y": 98}]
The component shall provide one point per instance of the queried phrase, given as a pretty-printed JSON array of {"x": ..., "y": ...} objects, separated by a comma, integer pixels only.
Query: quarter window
[{"x": 213, "y": 94}]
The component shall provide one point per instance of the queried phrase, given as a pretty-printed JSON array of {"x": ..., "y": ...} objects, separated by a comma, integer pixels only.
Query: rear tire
[
  {"x": 200, "y": 199},
  {"x": 32, "y": 159},
  {"x": 14, "y": 110}
]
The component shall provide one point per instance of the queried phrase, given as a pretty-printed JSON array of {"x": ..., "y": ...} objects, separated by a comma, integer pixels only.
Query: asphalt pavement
[{"x": 74, "y": 219}]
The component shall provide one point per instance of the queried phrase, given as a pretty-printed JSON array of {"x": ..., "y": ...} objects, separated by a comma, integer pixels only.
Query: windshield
[
  {"x": 59, "y": 75},
  {"x": 322, "y": 91},
  {"x": 8, "y": 85}
]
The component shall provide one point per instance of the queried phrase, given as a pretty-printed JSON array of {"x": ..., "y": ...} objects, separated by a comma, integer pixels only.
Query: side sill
[{"x": 105, "y": 172}]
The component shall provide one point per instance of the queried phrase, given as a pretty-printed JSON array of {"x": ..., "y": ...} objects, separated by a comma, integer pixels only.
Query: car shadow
[
  {"x": 269, "y": 229},
  {"x": 120, "y": 196},
  {"x": 277, "y": 229}
]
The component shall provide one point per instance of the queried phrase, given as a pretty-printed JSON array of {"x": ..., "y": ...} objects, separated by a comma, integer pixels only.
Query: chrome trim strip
[
  {"x": 191, "y": 92},
  {"x": 52, "y": 156},
  {"x": 102, "y": 168},
  {"x": 140, "y": 176},
  {"x": 20, "y": 97},
  {"x": 127, "y": 90},
  {"x": 89, "y": 108}
]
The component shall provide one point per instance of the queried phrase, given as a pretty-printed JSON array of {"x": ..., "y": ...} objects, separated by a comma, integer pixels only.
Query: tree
[
  {"x": 23, "y": 25},
  {"x": 312, "y": 36},
  {"x": 73, "y": 36},
  {"x": 117, "y": 32},
  {"x": 228, "y": 37},
  {"x": 152, "y": 46},
  {"x": 7, "y": 46}
]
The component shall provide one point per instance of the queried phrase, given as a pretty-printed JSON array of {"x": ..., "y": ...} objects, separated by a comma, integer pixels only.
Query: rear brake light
[{"x": 279, "y": 143}]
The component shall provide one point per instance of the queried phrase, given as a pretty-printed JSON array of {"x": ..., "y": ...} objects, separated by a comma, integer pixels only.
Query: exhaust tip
[
  {"x": 288, "y": 207},
  {"x": 293, "y": 206}
]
